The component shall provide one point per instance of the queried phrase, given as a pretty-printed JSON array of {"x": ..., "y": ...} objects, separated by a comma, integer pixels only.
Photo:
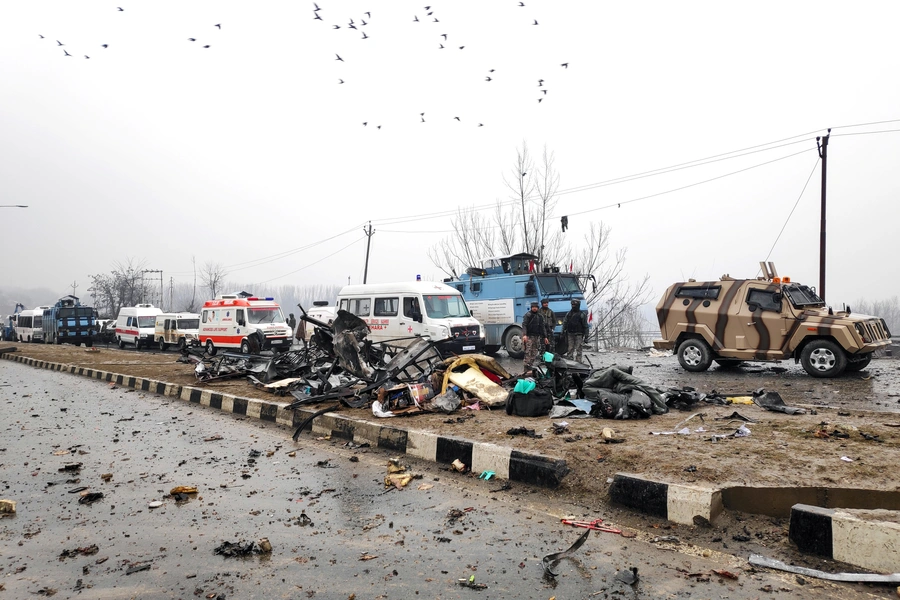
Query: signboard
[{"x": 493, "y": 312}]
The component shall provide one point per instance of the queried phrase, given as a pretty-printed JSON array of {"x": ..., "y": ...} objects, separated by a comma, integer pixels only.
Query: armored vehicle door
[{"x": 764, "y": 322}]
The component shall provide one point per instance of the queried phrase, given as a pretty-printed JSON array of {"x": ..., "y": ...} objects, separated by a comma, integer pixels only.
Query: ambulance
[
  {"x": 227, "y": 321},
  {"x": 136, "y": 325},
  {"x": 398, "y": 312}
]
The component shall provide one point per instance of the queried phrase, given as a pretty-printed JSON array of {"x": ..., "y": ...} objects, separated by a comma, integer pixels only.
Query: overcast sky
[{"x": 252, "y": 153}]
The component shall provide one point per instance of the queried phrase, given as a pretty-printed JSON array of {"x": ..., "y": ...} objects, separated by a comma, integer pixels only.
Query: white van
[
  {"x": 415, "y": 308},
  {"x": 29, "y": 325},
  {"x": 179, "y": 329},
  {"x": 136, "y": 325},
  {"x": 320, "y": 312},
  {"x": 228, "y": 320}
]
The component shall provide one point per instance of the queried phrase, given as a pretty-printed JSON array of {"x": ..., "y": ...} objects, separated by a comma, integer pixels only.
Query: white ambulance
[
  {"x": 415, "y": 308},
  {"x": 178, "y": 329},
  {"x": 136, "y": 325},
  {"x": 227, "y": 321}
]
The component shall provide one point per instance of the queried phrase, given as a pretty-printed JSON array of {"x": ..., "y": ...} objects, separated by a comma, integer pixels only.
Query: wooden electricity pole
[{"x": 822, "y": 143}]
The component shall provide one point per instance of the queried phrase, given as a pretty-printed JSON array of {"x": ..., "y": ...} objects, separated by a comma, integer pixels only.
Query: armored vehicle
[{"x": 765, "y": 319}]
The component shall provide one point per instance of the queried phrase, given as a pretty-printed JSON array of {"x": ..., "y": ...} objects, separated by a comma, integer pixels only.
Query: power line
[
  {"x": 778, "y": 237},
  {"x": 866, "y": 132},
  {"x": 310, "y": 264}
]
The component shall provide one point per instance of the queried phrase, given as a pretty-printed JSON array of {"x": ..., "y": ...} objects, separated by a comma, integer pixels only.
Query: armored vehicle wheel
[
  {"x": 121, "y": 344},
  {"x": 245, "y": 346},
  {"x": 823, "y": 358},
  {"x": 89, "y": 344},
  {"x": 729, "y": 363},
  {"x": 694, "y": 355},
  {"x": 137, "y": 343},
  {"x": 491, "y": 350},
  {"x": 162, "y": 344},
  {"x": 515, "y": 347},
  {"x": 210, "y": 348},
  {"x": 859, "y": 365}
]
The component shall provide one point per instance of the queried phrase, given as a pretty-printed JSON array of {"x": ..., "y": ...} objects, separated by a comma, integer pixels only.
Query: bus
[
  {"x": 29, "y": 326},
  {"x": 68, "y": 321}
]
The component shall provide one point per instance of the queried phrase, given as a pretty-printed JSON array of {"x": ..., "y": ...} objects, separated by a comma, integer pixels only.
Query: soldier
[
  {"x": 533, "y": 331},
  {"x": 574, "y": 327},
  {"x": 549, "y": 323}
]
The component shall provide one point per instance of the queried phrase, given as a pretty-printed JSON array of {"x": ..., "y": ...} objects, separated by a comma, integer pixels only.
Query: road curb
[
  {"x": 675, "y": 502},
  {"x": 857, "y": 538},
  {"x": 505, "y": 462}
]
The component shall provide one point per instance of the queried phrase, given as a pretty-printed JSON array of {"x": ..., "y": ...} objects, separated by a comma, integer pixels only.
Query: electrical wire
[
  {"x": 778, "y": 237},
  {"x": 311, "y": 264},
  {"x": 864, "y": 132}
]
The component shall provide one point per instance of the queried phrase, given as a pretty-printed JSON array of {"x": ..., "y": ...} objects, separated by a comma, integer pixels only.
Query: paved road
[{"x": 335, "y": 532}]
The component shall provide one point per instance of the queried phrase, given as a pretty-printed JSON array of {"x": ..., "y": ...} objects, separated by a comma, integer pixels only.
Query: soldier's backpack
[{"x": 535, "y": 403}]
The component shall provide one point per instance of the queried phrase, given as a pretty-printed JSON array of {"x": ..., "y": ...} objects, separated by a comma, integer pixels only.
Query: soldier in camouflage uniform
[
  {"x": 549, "y": 324},
  {"x": 575, "y": 326},
  {"x": 533, "y": 331}
]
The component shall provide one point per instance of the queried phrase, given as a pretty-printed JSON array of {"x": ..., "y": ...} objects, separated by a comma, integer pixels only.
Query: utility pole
[
  {"x": 369, "y": 233},
  {"x": 822, "y": 143},
  {"x": 161, "y": 293},
  {"x": 171, "y": 293}
]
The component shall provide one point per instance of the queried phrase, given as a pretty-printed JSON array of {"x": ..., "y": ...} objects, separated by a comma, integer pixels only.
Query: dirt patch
[{"x": 781, "y": 450}]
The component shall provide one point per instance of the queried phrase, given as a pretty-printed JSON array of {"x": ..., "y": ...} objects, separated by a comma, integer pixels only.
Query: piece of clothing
[
  {"x": 549, "y": 321},
  {"x": 533, "y": 325},
  {"x": 532, "y": 351},
  {"x": 575, "y": 321},
  {"x": 575, "y": 342}
]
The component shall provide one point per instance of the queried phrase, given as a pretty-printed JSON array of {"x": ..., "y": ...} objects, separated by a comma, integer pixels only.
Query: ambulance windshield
[
  {"x": 446, "y": 306},
  {"x": 261, "y": 316}
]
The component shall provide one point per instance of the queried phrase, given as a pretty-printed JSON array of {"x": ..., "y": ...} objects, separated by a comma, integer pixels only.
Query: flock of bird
[
  {"x": 429, "y": 16},
  {"x": 120, "y": 9}
]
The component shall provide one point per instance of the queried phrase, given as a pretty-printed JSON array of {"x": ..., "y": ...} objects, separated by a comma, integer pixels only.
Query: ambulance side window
[
  {"x": 386, "y": 307},
  {"x": 239, "y": 316},
  {"x": 205, "y": 315},
  {"x": 360, "y": 306}
]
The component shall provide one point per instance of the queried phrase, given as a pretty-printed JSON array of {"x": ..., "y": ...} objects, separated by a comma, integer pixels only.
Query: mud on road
[{"x": 800, "y": 450}]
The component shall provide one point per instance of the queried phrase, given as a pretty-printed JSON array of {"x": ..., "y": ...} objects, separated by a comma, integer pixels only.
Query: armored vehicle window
[
  {"x": 476, "y": 286},
  {"x": 386, "y": 307},
  {"x": 709, "y": 292},
  {"x": 188, "y": 323},
  {"x": 765, "y": 300},
  {"x": 802, "y": 295}
]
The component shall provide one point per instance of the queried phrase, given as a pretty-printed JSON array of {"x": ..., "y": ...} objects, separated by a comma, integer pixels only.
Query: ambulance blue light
[{"x": 270, "y": 299}]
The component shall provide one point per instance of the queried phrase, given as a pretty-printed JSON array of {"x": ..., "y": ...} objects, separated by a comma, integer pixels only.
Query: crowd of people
[{"x": 537, "y": 327}]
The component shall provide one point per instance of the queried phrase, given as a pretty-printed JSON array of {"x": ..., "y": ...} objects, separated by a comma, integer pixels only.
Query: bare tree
[
  {"x": 889, "y": 310},
  {"x": 524, "y": 225},
  {"x": 123, "y": 286},
  {"x": 212, "y": 275}
]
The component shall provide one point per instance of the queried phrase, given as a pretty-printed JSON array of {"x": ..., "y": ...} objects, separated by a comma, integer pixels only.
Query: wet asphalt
[{"x": 335, "y": 531}]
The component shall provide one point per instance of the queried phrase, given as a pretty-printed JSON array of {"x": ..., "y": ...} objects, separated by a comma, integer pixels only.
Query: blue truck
[
  {"x": 8, "y": 330},
  {"x": 500, "y": 291},
  {"x": 70, "y": 322}
]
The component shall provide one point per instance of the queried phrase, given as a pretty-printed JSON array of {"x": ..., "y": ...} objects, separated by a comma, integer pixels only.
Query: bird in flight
[
  {"x": 192, "y": 39},
  {"x": 427, "y": 8},
  {"x": 540, "y": 82},
  {"x": 488, "y": 79},
  {"x": 339, "y": 58},
  {"x": 436, "y": 20},
  {"x": 340, "y": 81},
  {"x": 540, "y": 100},
  {"x": 206, "y": 46},
  {"x": 317, "y": 17},
  {"x": 105, "y": 45},
  {"x": 336, "y": 26},
  {"x": 481, "y": 124},
  {"x": 317, "y": 7},
  {"x": 545, "y": 92},
  {"x": 442, "y": 47},
  {"x": 351, "y": 26},
  {"x": 566, "y": 65},
  {"x": 521, "y": 4},
  {"x": 120, "y": 9},
  {"x": 59, "y": 43},
  {"x": 40, "y": 36},
  {"x": 67, "y": 52},
  {"x": 365, "y": 37},
  {"x": 461, "y": 47},
  {"x": 415, "y": 19},
  {"x": 535, "y": 22},
  {"x": 445, "y": 36},
  {"x": 86, "y": 56},
  {"x": 457, "y": 118},
  {"x": 365, "y": 123},
  {"x": 368, "y": 14},
  {"x": 219, "y": 25},
  {"x": 363, "y": 22},
  {"x": 379, "y": 127}
]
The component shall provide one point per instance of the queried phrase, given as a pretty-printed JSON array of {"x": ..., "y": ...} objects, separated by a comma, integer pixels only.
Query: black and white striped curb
[
  {"x": 505, "y": 462},
  {"x": 674, "y": 502},
  {"x": 869, "y": 539}
]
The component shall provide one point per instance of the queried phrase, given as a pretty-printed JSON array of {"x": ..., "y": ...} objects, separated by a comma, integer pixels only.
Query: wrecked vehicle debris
[{"x": 550, "y": 561}]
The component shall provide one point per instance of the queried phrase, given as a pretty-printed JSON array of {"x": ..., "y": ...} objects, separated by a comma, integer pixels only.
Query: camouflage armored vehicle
[{"x": 766, "y": 319}]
